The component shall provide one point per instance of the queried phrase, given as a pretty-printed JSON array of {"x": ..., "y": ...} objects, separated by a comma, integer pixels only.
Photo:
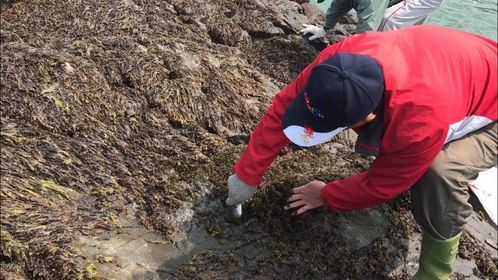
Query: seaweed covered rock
[{"x": 110, "y": 103}]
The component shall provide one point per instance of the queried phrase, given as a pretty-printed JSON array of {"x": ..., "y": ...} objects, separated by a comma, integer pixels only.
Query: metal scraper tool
[{"x": 235, "y": 213}]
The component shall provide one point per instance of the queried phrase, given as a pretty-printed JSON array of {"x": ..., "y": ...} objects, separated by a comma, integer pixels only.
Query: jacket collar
[{"x": 369, "y": 137}]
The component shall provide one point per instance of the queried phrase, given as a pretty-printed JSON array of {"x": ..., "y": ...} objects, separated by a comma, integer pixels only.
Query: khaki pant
[{"x": 440, "y": 197}]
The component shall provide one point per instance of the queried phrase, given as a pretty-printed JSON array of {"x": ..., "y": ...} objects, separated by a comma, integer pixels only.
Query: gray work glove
[{"x": 238, "y": 191}]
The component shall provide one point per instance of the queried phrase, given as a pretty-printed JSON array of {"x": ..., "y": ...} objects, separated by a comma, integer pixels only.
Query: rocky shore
[{"x": 121, "y": 121}]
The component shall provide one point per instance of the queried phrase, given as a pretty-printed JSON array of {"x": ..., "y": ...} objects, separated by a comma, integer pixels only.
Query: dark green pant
[
  {"x": 440, "y": 197},
  {"x": 370, "y": 12}
]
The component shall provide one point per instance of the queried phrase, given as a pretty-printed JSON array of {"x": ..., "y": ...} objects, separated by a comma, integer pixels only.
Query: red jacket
[{"x": 440, "y": 85}]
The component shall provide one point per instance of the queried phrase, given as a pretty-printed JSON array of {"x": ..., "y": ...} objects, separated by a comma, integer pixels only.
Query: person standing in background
[
  {"x": 375, "y": 15},
  {"x": 408, "y": 13}
]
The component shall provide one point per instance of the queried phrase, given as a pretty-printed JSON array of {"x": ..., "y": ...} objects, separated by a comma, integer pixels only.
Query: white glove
[
  {"x": 238, "y": 191},
  {"x": 317, "y": 32}
]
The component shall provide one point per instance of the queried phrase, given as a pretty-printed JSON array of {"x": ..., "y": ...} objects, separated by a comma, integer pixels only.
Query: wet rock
[
  {"x": 360, "y": 228},
  {"x": 482, "y": 228},
  {"x": 407, "y": 255},
  {"x": 314, "y": 14},
  {"x": 273, "y": 30},
  {"x": 294, "y": 18},
  {"x": 137, "y": 253},
  {"x": 464, "y": 267}
]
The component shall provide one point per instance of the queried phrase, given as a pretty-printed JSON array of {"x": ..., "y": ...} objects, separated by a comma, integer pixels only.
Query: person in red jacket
[{"x": 424, "y": 102}]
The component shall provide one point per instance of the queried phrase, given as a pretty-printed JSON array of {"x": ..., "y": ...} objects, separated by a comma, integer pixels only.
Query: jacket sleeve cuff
[
  {"x": 327, "y": 197},
  {"x": 253, "y": 182},
  {"x": 324, "y": 196}
]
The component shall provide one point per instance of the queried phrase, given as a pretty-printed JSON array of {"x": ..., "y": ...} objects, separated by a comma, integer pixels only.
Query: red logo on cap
[{"x": 309, "y": 132}]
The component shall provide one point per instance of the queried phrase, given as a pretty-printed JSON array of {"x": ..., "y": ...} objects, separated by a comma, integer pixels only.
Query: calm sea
[{"x": 478, "y": 16}]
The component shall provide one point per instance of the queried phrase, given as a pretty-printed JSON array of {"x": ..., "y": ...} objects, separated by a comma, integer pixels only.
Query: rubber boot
[{"x": 437, "y": 258}]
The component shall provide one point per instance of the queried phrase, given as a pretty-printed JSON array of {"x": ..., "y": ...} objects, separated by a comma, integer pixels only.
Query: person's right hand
[
  {"x": 317, "y": 31},
  {"x": 238, "y": 190},
  {"x": 306, "y": 197}
]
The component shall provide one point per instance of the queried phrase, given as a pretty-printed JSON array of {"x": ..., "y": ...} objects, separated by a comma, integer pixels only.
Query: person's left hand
[{"x": 306, "y": 197}]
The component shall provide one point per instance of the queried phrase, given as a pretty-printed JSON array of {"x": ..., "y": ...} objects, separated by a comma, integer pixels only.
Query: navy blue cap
[{"x": 340, "y": 91}]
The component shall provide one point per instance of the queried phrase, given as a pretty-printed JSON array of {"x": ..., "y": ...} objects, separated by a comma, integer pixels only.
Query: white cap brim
[{"x": 297, "y": 135}]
